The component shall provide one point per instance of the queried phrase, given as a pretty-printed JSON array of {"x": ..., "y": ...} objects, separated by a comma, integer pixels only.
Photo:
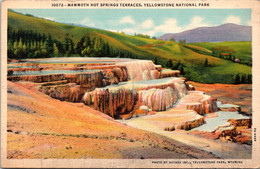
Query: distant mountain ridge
[{"x": 226, "y": 32}]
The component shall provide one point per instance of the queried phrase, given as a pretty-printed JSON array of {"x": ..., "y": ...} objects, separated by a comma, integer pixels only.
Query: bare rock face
[
  {"x": 64, "y": 92},
  {"x": 191, "y": 124},
  {"x": 37, "y": 78},
  {"x": 205, "y": 105},
  {"x": 89, "y": 80},
  {"x": 246, "y": 123},
  {"x": 114, "y": 75},
  {"x": 112, "y": 101},
  {"x": 169, "y": 73},
  {"x": 140, "y": 70},
  {"x": 158, "y": 67},
  {"x": 117, "y": 100},
  {"x": 158, "y": 99}
]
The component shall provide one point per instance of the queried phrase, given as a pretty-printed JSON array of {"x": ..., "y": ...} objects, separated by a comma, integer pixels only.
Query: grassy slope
[
  {"x": 243, "y": 49},
  {"x": 145, "y": 48}
]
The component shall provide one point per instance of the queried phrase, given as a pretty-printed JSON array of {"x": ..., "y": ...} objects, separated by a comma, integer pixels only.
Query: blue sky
[{"x": 154, "y": 22}]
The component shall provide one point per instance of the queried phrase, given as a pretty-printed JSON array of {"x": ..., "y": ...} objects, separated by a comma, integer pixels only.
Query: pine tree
[
  {"x": 237, "y": 79},
  {"x": 88, "y": 51},
  {"x": 155, "y": 61},
  {"x": 249, "y": 79},
  {"x": 49, "y": 45},
  {"x": 243, "y": 79},
  {"x": 20, "y": 44},
  {"x": 15, "y": 45},
  {"x": 206, "y": 63},
  {"x": 169, "y": 64},
  {"x": 177, "y": 66},
  {"x": 182, "y": 72},
  {"x": 107, "y": 50},
  {"x": 55, "y": 50},
  {"x": 34, "y": 45}
]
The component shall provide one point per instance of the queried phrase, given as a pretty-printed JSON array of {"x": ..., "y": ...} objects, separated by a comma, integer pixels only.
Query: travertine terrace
[{"x": 120, "y": 88}]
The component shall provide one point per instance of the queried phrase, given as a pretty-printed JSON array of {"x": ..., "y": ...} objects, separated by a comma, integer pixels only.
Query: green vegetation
[
  {"x": 198, "y": 49},
  {"x": 239, "y": 50},
  {"x": 144, "y": 36},
  {"x": 53, "y": 39}
]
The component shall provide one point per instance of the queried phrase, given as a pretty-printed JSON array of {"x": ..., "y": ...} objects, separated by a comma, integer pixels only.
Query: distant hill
[{"x": 226, "y": 32}]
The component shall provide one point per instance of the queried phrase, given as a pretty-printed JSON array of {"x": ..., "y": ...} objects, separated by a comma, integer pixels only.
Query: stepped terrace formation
[{"x": 122, "y": 89}]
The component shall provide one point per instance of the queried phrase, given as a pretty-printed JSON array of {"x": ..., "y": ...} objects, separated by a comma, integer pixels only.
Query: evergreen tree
[
  {"x": 181, "y": 68},
  {"x": 43, "y": 51},
  {"x": 49, "y": 45},
  {"x": 169, "y": 64},
  {"x": 55, "y": 50},
  {"x": 237, "y": 79},
  {"x": 243, "y": 79},
  {"x": 249, "y": 79},
  {"x": 206, "y": 63},
  {"x": 177, "y": 66},
  {"x": 155, "y": 61}
]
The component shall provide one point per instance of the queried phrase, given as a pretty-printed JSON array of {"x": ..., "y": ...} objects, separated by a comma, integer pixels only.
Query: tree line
[
  {"x": 226, "y": 53},
  {"x": 242, "y": 79},
  {"x": 144, "y": 36},
  {"x": 178, "y": 66},
  {"x": 30, "y": 44}
]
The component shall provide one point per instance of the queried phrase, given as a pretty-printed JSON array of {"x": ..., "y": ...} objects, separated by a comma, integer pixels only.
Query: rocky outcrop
[
  {"x": 158, "y": 99},
  {"x": 140, "y": 70},
  {"x": 65, "y": 92},
  {"x": 113, "y": 102},
  {"x": 169, "y": 73},
  {"x": 239, "y": 131},
  {"x": 206, "y": 105},
  {"x": 114, "y": 75},
  {"x": 89, "y": 80},
  {"x": 121, "y": 99},
  {"x": 158, "y": 67},
  {"x": 243, "y": 123},
  {"x": 37, "y": 78},
  {"x": 187, "y": 125}
]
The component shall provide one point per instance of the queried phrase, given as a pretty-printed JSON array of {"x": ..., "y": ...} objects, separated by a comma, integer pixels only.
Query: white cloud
[
  {"x": 196, "y": 22},
  {"x": 147, "y": 24},
  {"x": 87, "y": 22},
  {"x": 169, "y": 26},
  {"x": 49, "y": 18},
  {"x": 127, "y": 19},
  {"x": 233, "y": 19}
]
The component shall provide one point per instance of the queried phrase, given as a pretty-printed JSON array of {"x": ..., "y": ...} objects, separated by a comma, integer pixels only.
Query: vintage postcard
[{"x": 130, "y": 84}]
